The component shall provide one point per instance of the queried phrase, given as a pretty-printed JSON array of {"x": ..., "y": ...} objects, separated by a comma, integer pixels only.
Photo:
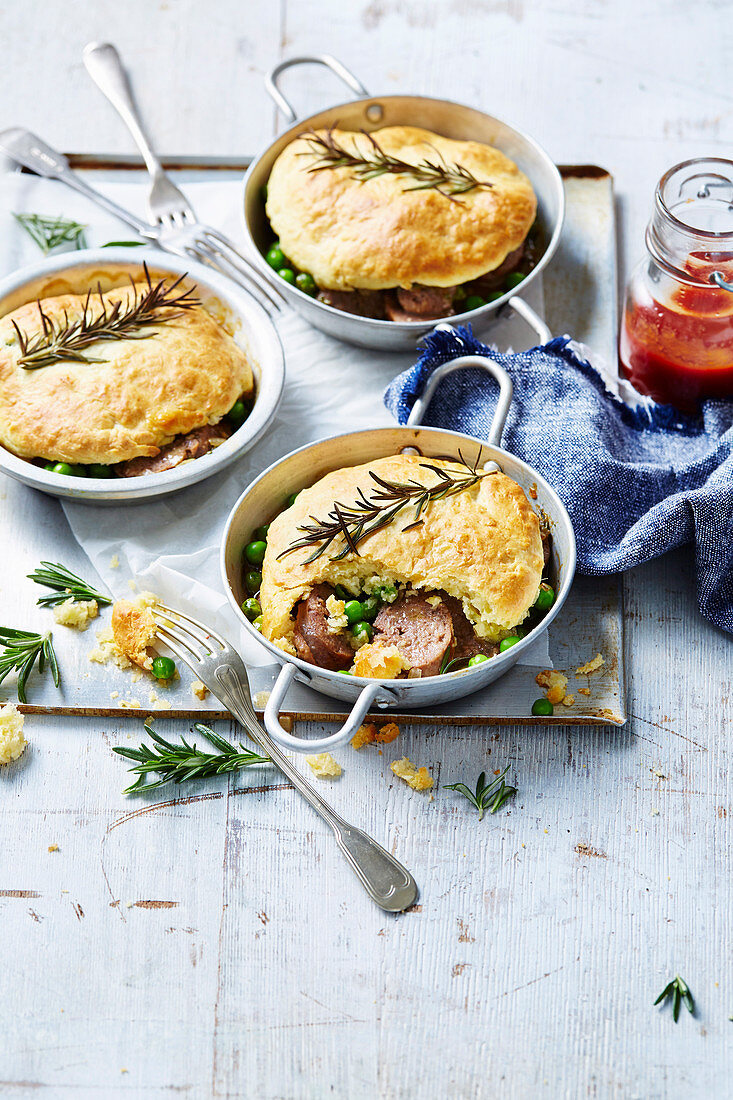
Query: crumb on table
[
  {"x": 12, "y": 739},
  {"x": 324, "y": 766},
  {"x": 76, "y": 613},
  {"x": 368, "y": 734},
  {"x": 554, "y": 682},
  {"x": 199, "y": 689},
  {"x": 590, "y": 666},
  {"x": 419, "y": 779}
]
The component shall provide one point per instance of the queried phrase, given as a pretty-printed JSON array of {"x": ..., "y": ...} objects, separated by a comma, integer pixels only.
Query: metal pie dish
[
  {"x": 303, "y": 467},
  {"x": 247, "y": 321},
  {"x": 453, "y": 120}
]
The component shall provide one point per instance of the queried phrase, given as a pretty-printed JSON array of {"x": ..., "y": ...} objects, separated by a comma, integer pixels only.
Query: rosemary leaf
[
  {"x": 448, "y": 180},
  {"x": 65, "y": 585},
  {"x": 679, "y": 991},
  {"x": 64, "y": 340},
  {"x": 182, "y": 762},
  {"x": 491, "y": 796},
  {"x": 49, "y": 233},
  {"x": 21, "y": 650},
  {"x": 124, "y": 244}
]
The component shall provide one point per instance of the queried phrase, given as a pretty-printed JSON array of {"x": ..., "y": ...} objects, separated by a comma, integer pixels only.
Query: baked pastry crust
[
  {"x": 134, "y": 631},
  {"x": 146, "y": 392},
  {"x": 376, "y": 234},
  {"x": 481, "y": 545}
]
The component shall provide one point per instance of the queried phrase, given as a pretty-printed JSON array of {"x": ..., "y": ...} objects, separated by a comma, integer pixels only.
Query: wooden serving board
[{"x": 577, "y": 295}]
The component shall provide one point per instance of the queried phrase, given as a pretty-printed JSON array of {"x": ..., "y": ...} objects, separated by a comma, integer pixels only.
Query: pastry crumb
[
  {"x": 368, "y": 734},
  {"x": 337, "y": 620},
  {"x": 568, "y": 700},
  {"x": 379, "y": 662},
  {"x": 199, "y": 690},
  {"x": 554, "y": 682},
  {"x": 583, "y": 691},
  {"x": 131, "y": 704},
  {"x": 590, "y": 666},
  {"x": 134, "y": 629},
  {"x": 324, "y": 766},
  {"x": 54, "y": 848},
  {"x": 434, "y": 601},
  {"x": 114, "y": 562},
  {"x": 77, "y": 614},
  {"x": 12, "y": 739},
  {"x": 156, "y": 702},
  {"x": 260, "y": 699},
  {"x": 419, "y": 779}
]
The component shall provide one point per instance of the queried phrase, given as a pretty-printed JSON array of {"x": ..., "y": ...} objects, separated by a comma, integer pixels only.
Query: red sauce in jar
[{"x": 680, "y": 350}]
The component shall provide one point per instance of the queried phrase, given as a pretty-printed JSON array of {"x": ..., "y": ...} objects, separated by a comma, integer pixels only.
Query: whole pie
[
  {"x": 399, "y": 243},
  {"x": 160, "y": 390}
]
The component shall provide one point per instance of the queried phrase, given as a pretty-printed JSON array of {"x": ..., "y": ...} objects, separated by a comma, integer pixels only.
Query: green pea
[
  {"x": 507, "y": 643},
  {"x": 238, "y": 413},
  {"x": 388, "y": 593},
  {"x": 287, "y": 275},
  {"x": 98, "y": 469},
  {"x": 306, "y": 283},
  {"x": 362, "y": 632},
  {"x": 291, "y": 500},
  {"x": 67, "y": 468},
  {"x": 344, "y": 672},
  {"x": 164, "y": 668},
  {"x": 254, "y": 552},
  {"x": 263, "y": 192},
  {"x": 494, "y": 295},
  {"x": 369, "y": 608},
  {"x": 253, "y": 580},
  {"x": 252, "y": 609},
  {"x": 260, "y": 533},
  {"x": 542, "y": 708},
  {"x": 477, "y": 659},
  {"x": 353, "y": 611},
  {"x": 545, "y": 597},
  {"x": 473, "y": 301},
  {"x": 276, "y": 257},
  {"x": 257, "y": 623},
  {"x": 513, "y": 280}
]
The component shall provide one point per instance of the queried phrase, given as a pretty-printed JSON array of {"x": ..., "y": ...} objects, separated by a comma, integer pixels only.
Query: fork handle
[
  {"x": 387, "y": 882},
  {"x": 104, "y": 65}
]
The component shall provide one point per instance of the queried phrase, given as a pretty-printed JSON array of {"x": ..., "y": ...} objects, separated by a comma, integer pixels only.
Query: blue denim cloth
[{"x": 636, "y": 482}]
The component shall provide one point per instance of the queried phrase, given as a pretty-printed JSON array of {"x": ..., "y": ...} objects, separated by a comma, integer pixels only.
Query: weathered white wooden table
[{"x": 214, "y": 944}]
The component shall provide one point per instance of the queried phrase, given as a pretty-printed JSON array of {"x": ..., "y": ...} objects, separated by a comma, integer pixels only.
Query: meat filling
[
  {"x": 422, "y": 633},
  {"x": 314, "y": 642},
  {"x": 194, "y": 444}
]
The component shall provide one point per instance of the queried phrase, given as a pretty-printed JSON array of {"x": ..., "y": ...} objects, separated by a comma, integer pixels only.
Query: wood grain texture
[{"x": 214, "y": 944}]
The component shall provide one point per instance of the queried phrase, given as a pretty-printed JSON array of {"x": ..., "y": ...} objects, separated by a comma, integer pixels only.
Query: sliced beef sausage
[
  {"x": 365, "y": 303},
  {"x": 420, "y": 303},
  {"x": 466, "y": 643},
  {"x": 194, "y": 444},
  {"x": 422, "y": 633},
  {"x": 313, "y": 640}
]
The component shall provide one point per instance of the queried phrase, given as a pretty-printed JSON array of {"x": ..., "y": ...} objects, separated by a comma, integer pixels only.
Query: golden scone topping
[
  {"x": 134, "y": 631},
  {"x": 163, "y": 381},
  {"x": 378, "y": 233},
  {"x": 481, "y": 545}
]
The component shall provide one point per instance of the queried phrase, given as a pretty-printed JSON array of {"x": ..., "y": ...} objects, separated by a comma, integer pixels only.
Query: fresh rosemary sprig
[
  {"x": 183, "y": 762},
  {"x": 448, "y": 180},
  {"x": 22, "y": 650},
  {"x": 355, "y": 522},
  {"x": 489, "y": 797},
  {"x": 66, "y": 340},
  {"x": 65, "y": 584},
  {"x": 49, "y": 233},
  {"x": 679, "y": 991}
]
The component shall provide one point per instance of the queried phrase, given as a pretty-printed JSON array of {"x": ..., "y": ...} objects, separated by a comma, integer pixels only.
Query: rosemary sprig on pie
[
  {"x": 355, "y": 522},
  {"x": 448, "y": 180},
  {"x": 49, "y": 233},
  {"x": 183, "y": 762},
  {"x": 65, "y": 585},
  {"x": 21, "y": 651},
  {"x": 63, "y": 339}
]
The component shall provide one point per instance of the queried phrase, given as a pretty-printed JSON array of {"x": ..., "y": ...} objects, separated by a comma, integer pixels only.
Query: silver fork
[
  {"x": 220, "y": 667},
  {"x": 178, "y": 229}
]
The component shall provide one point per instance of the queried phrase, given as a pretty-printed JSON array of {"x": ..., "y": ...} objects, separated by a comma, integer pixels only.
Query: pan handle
[
  {"x": 272, "y": 716},
  {"x": 534, "y": 321},
  {"x": 326, "y": 59},
  {"x": 506, "y": 389}
]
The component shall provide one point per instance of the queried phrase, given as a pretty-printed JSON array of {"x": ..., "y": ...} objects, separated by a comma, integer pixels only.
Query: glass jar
[{"x": 676, "y": 342}]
